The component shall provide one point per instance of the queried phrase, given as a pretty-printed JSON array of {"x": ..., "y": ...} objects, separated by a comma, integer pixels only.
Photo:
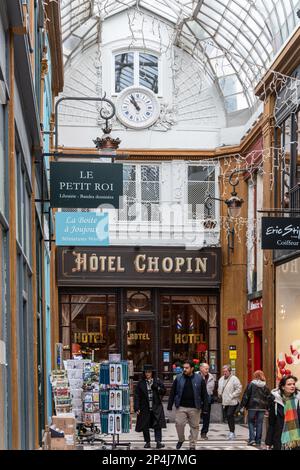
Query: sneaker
[
  {"x": 192, "y": 448},
  {"x": 178, "y": 445},
  {"x": 204, "y": 436},
  {"x": 159, "y": 445},
  {"x": 251, "y": 443},
  {"x": 147, "y": 445},
  {"x": 231, "y": 436}
]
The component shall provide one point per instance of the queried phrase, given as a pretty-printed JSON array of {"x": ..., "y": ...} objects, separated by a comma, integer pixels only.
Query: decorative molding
[{"x": 167, "y": 118}]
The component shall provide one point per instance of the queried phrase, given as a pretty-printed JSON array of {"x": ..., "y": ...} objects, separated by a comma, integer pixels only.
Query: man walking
[
  {"x": 148, "y": 407},
  {"x": 229, "y": 389},
  {"x": 189, "y": 394},
  {"x": 210, "y": 386}
]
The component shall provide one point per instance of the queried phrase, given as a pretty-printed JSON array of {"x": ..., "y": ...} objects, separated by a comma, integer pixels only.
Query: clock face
[{"x": 137, "y": 107}]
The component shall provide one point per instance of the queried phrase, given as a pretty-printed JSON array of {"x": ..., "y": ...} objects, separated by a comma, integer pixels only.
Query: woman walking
[
  {"x": 256, "y": 400},
  {"x": 284, "y": 416}
]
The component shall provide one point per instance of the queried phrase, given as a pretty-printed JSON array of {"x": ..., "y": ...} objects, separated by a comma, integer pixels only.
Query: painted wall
[{"x": 47, "y": 103}]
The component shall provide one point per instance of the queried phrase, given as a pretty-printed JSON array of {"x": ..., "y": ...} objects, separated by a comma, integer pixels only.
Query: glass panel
[
  {"x": 287, "y": 319},
  {"x": 89, "y": 337},
  {"x": 2, "y": 159},
  {"x": 140, "y": 344},
  {"x": 165, "y": 338},
  {"x": 124, "y": 71},
  {"x": 165, "y": 315},
  {"x": 148, "y": 71},
  {"x": 187, "y": 299},
  {"x": 212, "y": 315},
  {"x": 189, "y": 330},
  {"x": 201, "y": 182},
  {"x": 213, "y": 361},
  {"x": 138, "y": 301},
  {"x": 213, "y": 338},
  {"x": 111, "y": 310},
  {"x": 66, "y": 341},
  {"x": 91, "y": 298},
  {"x": 65, "y": 311},
  {"x": 298, "y": 150}
]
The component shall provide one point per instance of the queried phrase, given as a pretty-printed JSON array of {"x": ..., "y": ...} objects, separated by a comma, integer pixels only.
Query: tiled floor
[{"x": 217, "y": 439}]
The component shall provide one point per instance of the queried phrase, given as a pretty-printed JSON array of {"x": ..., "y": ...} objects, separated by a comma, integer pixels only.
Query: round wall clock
[{"x": 137, "y": 107}]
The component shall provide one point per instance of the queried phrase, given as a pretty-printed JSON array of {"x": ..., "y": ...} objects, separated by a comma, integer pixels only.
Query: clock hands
[{"x": 133, "y": 101}]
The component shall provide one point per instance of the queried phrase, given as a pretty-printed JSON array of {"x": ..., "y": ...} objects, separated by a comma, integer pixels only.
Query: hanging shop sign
[
  {"x": 280, "y": 233},
  {"x": 85, "y": 185},
  {"x": 81, "y": 229},
  {"x": 123, "y": 266}
]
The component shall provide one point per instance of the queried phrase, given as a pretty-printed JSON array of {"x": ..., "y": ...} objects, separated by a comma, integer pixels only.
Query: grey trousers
[{"x": 189, "y": 416}]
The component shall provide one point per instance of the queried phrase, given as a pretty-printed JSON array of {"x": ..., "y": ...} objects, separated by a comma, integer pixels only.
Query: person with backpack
[{"x": 255, "y": 400}]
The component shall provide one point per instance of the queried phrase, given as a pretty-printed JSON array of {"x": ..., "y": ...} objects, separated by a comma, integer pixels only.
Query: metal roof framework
[{"x": 234, "y": 40}]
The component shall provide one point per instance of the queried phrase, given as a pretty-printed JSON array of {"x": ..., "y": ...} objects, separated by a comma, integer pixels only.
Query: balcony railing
[{"x": 295, "y": 197}]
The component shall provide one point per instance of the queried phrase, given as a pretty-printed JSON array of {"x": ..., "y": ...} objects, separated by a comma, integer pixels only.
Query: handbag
[{"x": 220, "y": 397}]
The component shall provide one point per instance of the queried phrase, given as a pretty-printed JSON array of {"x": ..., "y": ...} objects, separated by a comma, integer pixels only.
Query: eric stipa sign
[
  {"x": 85, "y": 185},
  {"x": 280, "y": 233}
]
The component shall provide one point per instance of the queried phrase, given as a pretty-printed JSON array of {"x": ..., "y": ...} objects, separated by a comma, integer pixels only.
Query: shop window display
[
  {"x": 188, "y": 331},
  {"x": 88, "y": 326},
  {"x": 288, "y": 319}
]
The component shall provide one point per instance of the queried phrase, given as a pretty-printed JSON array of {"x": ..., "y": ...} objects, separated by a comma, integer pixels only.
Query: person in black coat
[
  {"x": 286, "y": 389},
  {"x": 148, "y": 406}
]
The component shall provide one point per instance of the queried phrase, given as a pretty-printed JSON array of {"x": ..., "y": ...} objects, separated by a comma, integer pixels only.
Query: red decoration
[
  {"x": 201, "y": 347},
  {"x": 231, "y": 325}
]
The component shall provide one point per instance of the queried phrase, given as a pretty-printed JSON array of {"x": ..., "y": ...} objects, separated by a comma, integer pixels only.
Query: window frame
[
  {"x": 136, "y": 69},
  {"x": 216, "y": 203},
  {"x": 138, "y": 187}
]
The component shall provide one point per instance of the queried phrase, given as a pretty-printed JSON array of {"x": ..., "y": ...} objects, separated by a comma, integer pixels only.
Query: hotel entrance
[{"x": 147, "y": 312}]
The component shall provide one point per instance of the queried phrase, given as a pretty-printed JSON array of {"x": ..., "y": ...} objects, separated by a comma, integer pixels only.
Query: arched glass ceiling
[{"x": 235, "y": 40}]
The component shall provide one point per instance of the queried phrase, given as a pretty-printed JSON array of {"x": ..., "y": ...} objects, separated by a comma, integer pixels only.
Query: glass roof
[{"x": 235, "y": 40}]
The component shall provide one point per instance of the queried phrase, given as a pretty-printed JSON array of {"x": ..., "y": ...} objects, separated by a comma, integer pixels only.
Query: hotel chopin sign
[
  {"x": 85, "y": 185},
  {"x": 280, "y": 233},
  {"x": 125, "y": 266}
]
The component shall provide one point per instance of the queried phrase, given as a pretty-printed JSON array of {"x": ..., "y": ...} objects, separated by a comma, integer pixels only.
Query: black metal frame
[
  {"x": 208, "y": 205},
  {"x": 56, "y": 154}
]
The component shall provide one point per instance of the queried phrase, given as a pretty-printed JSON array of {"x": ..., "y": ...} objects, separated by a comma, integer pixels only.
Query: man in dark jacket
[
  {"x": 148, "y": 407},
  {"x": 189, "y": 395}
]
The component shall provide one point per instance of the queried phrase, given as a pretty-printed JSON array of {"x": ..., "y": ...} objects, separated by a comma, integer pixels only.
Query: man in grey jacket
[
  {"x": 229, "y": 389},
  {"x": 210, "y": 386}
]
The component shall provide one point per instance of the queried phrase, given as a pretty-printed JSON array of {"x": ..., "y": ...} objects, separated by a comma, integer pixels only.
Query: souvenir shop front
[{"x": 155, "y": 306}]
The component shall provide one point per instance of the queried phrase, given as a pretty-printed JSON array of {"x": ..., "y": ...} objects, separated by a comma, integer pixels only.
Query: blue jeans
[{"x": 255, "y": 420}]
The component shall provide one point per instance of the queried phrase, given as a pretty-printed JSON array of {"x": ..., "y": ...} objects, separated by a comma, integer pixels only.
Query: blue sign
[{"x": 81, "y": 229}]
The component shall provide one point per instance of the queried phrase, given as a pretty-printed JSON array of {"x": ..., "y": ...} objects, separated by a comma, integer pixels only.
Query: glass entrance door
[{"x": 139, "y": 343}]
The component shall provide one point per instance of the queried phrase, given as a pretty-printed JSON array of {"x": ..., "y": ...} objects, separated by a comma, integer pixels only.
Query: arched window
[{"x": 136, "y": 68}]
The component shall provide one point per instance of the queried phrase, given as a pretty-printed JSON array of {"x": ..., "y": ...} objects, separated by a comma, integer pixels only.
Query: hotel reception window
[
  {"x": 88, "y": 326},
  {"x": 288, "y": 319}
]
